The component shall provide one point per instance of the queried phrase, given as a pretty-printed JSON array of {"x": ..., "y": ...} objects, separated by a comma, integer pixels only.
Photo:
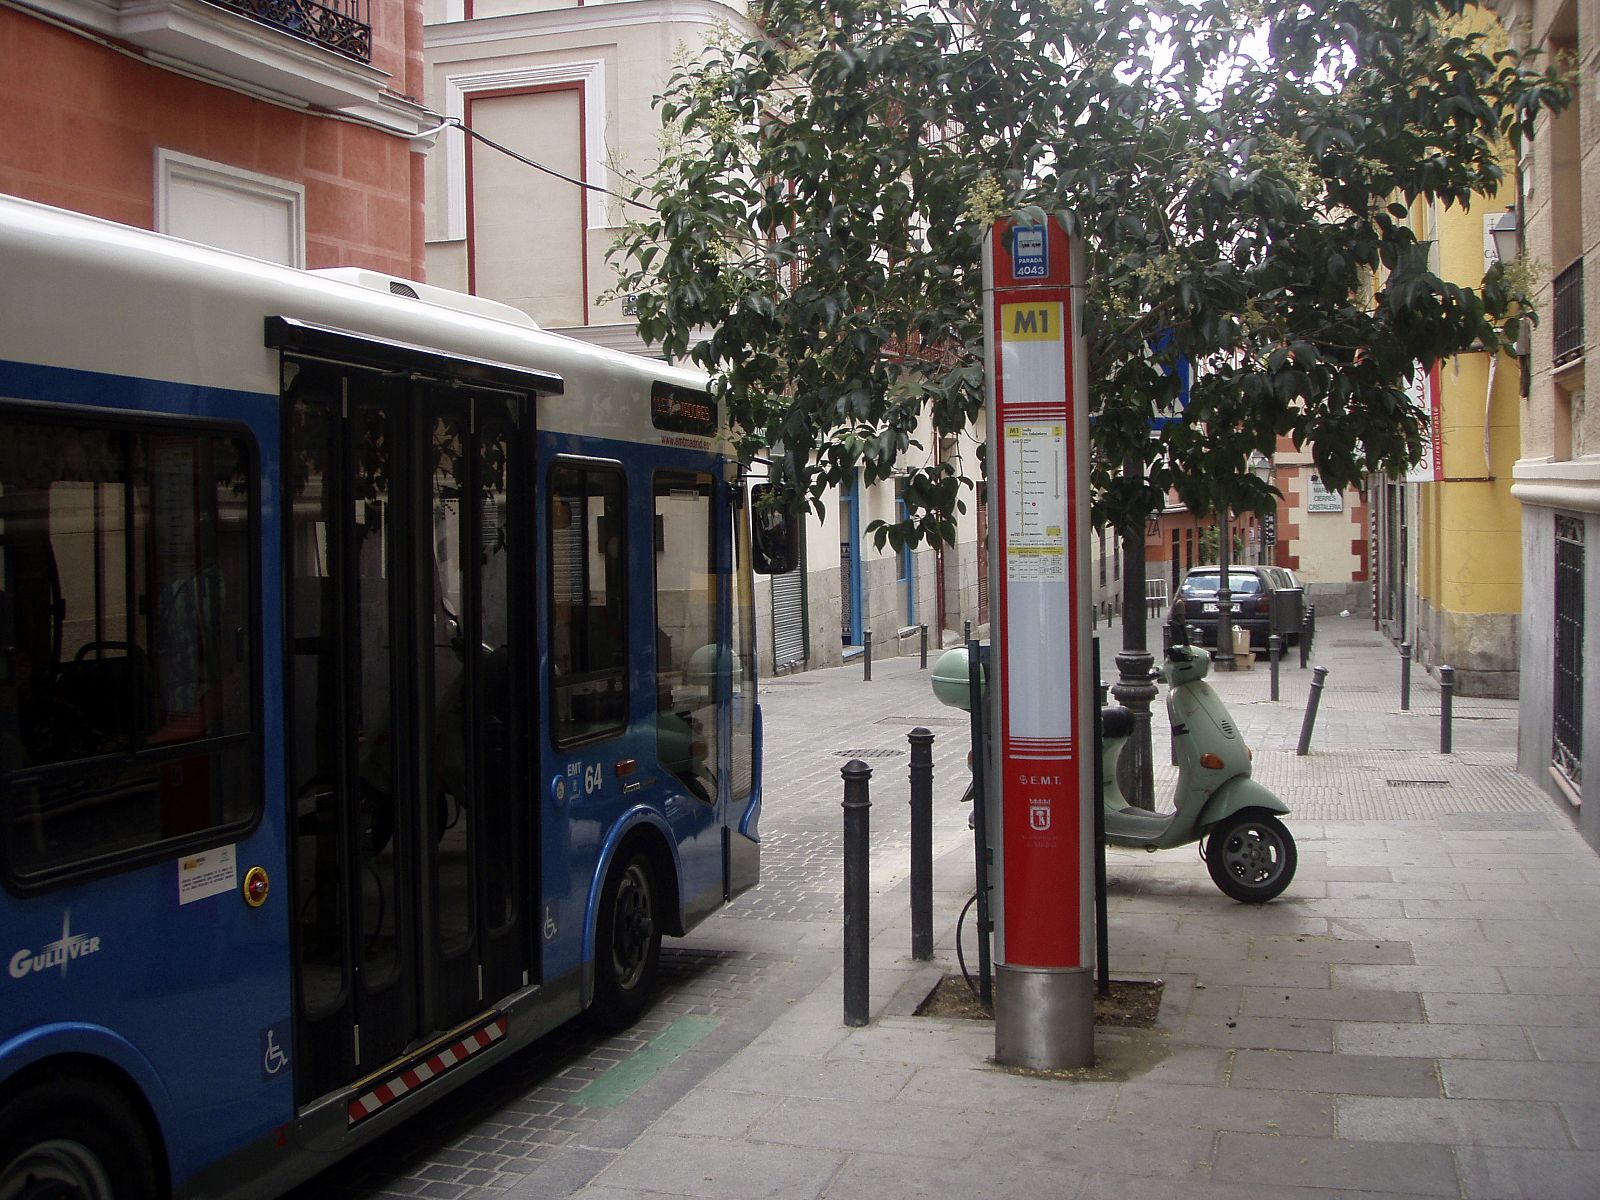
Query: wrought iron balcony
[
  {"x": 344, "y": 27},
  {"x": 1567, "y": 323}
]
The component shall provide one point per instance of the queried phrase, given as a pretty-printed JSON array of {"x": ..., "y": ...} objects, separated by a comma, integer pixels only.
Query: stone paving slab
[
  {"x": 1355, "y": 1074},
  {"x": 1534, "y": 1124},
  {"x": 1426, "y": 1040},
  {"x": 1489, "y": 1173},
  {"x": 1269, "y": 1161}
]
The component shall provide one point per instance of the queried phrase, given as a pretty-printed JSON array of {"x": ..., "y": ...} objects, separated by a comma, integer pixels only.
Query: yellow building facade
[{"x": 1448, "y": 549}]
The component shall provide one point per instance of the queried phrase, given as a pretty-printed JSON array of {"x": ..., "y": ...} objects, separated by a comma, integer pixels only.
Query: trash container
[{"x": 1288, "y": 610}]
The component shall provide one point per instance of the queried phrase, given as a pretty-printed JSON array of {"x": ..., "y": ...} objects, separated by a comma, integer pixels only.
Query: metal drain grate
[
  {"x": 868, "y": 753},
  {"x": 1405, "y": 783}
]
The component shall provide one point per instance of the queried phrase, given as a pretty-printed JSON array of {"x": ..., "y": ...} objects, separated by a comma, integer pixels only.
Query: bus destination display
[{"x": 682, "y": 410}]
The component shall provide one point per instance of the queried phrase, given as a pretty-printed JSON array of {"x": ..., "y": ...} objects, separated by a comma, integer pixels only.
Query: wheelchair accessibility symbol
[{"x": 273, "y": 1059}]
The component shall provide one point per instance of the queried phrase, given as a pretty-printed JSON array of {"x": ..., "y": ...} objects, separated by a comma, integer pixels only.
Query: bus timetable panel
[{"x": 376, "y": 689}]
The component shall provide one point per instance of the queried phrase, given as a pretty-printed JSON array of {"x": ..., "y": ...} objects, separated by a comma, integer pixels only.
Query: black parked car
[{"x": 1251, "y": 590}]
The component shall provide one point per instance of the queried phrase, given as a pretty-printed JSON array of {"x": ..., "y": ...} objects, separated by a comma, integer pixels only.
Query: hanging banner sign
[
  {"x": 1038, "y": 434},
  {"x": 1423, "y": 392}
]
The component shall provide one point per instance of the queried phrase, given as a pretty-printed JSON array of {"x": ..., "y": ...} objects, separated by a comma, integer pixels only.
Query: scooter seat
[{"x": 1116, "y": 722}]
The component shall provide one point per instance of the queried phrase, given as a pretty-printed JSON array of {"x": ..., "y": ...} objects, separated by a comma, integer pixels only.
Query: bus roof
[{"x": 89, "y": 294}]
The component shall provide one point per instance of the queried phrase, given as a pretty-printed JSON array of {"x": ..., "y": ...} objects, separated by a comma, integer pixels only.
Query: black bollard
[
  {"x": 1447, "y": 692},
  {"x": 921, "y": 843},
  {"x": 857, "y": 898},
  {"x": 1305, "y": 637},
  {"x": 866, "y": 656},
  {"x": 966, "y": 632},
  {"x": 1318, "y": 675},
  {"x": 1405, "y": 676},
  {"x": 924, "y": 666},
  {"x": 1275, "y": 652}
]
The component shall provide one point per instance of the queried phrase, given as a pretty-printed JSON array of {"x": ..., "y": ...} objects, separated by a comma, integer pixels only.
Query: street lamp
[
  {"x": 1506, "y": 232},
  {"x": 1224, "y": 659},
  {"x": 1134, "y": 689},
  {"x": 1263, "y": 468},
  {"x": 1507, "y": 236}
]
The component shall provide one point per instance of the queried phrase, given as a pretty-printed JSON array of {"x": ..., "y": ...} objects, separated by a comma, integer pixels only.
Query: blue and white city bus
[{"x": 376, "y": 688}]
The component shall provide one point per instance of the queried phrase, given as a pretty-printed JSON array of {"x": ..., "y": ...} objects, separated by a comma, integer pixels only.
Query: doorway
[{"x": 408, "y": 574}]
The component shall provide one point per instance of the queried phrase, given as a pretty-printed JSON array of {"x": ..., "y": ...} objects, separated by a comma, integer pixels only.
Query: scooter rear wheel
[{"x": 1251, "y": 856}]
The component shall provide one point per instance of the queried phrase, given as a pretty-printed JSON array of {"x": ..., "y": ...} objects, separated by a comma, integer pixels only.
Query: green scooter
[
  {"x": 1249, "y": 852},
  {"x": 1247, "y": 849}
]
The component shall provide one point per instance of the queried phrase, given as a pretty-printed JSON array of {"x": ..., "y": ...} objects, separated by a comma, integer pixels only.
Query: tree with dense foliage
[{"x": 1240, "y": 173}]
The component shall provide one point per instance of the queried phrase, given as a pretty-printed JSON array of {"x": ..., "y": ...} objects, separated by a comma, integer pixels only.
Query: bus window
[
  {"x": 126, "y": 629},
  {"x": 588, "y": 613},
  {"x": 688, "y": 660}
]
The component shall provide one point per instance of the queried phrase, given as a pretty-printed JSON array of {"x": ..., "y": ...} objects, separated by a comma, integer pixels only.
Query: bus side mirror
[{"x": 774, "y": 533}]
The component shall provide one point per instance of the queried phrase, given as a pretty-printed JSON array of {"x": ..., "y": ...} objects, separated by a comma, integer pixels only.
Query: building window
[
  {"x": 230, "y": 208},
  {"x": 1567, "y": 739},
  {"x": 1567, "y": 326}
]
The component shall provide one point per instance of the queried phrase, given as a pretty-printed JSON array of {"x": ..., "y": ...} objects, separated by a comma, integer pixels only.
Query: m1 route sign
[{"x": 1038, "y": 480}]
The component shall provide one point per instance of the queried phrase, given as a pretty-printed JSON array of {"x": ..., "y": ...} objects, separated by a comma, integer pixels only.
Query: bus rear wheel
[
  {"x": 68, "y": 1139},
  {"x": 627, "y": 942}
]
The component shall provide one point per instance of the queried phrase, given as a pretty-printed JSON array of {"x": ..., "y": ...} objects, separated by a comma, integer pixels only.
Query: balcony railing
[
  {"x": 344, "y": 27},
  {"x": 1567, "y": 325}
]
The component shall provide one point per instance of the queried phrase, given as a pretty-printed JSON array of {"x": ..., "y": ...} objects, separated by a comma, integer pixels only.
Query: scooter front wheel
[{"x": 1251, "y": 856}]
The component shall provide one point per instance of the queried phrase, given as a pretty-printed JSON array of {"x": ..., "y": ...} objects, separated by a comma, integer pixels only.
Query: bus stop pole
[{"x": 1038, "y": 433}]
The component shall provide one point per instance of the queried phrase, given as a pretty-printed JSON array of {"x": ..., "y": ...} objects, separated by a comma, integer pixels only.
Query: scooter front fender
[{"x": 1239, "y": 792}]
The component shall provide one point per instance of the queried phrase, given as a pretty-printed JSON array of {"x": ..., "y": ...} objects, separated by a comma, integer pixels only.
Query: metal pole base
[{"x": 1043, "y": 1018}]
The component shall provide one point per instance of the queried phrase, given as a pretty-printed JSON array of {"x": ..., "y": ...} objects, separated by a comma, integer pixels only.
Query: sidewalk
[{"x": 1418, "y": 1015}]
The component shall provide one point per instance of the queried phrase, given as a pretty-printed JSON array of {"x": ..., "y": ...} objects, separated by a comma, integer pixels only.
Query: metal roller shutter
[{"x": 789, "y": 617}]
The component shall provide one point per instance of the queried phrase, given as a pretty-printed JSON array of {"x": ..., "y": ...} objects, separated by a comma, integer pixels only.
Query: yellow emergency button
[{"x": 255, "y": 887}]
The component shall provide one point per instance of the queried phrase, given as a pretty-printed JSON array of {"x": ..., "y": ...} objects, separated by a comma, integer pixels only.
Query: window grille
[
  {"x": 1567, "y": 326},
  {"x": 1567, "y": 747}
]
